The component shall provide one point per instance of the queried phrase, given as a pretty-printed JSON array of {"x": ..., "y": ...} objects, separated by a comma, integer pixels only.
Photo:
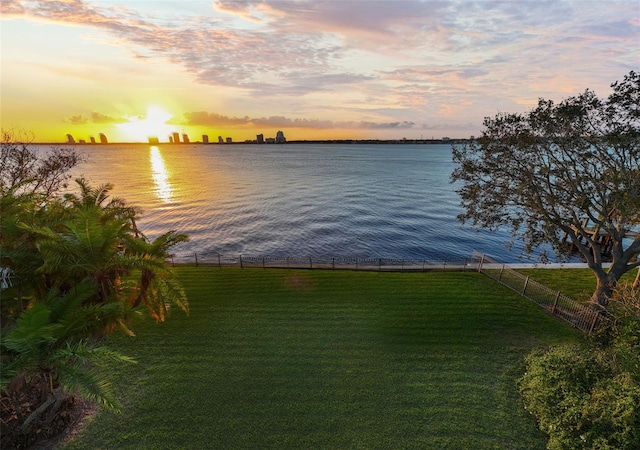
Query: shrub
[{"x": 587, "y": 396}]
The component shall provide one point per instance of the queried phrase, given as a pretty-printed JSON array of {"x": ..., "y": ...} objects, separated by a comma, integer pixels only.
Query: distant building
[
  {"x": 185, "y": 138},
  {"x": 229, "y": 140},
  {"x": 70, "y": 139},
  {"x": 92, "y": 140},
  {"x": 176, "y": 138},
  {"x": 260, "y": 138},
  {"x": 153, "y": 140},
  {"x": 280, "y": 139},
  {"x": 103, "y": 139},
  {"x": 170, "y": 139},
  {"x": 271, "y": 140},
  {"x": 220, "y": 141},
  {"x": 205, "y": 139},
  {"x": 82, "y": 141}
]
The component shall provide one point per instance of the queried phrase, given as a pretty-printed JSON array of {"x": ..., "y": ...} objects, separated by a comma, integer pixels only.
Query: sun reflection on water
[{"x": 160, "y": 175}]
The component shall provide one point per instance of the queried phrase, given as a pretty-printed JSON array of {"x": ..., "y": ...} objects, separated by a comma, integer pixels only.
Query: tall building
[
  {"x": 185, "y": 138},
  {"x": 70, "y": 139},
  {"x": 153, "y": 140},
  {"x": 260, "y": 138},
  {"x": 220, "y": 141},
  {"x": 92, "y": 139},
  {"x": 229, "y": 141},
  {"x": 280, "y": 139},
  {"x": 176, "y": 138},
  {"x": 205, "y": 139},
  {"x": 103, "y": 139}
]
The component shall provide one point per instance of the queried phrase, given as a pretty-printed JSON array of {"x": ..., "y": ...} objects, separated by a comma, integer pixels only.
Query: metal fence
[
  {"x": 317, "y": 262},
  {"x": 557, "y": 304}
]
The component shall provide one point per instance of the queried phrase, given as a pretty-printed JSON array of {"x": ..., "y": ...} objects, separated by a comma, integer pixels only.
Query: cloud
[
  {"x": 245, "y": 9},
  {"x": 77, "y": 120},
  {"x": 103, "y": 118},
  {"x": 93, "y": 117},
  {"x": 10, "y": 8},
  {"x": 202, "y": 118},
  {"x": 299, "y": 47},
  {"x": 387, "y": 63},
  {"x": 213, "y": 119}
]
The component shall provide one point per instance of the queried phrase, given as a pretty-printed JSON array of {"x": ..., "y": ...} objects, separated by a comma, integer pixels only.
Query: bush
[{"x": 587, "y": 396}]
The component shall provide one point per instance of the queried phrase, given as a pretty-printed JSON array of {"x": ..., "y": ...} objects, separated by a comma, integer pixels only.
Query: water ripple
[{"x": 313, "y": 200}]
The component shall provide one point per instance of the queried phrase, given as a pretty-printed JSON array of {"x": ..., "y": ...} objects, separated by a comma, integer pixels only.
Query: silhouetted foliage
[
  {"x": 23, "y": 170},
  {"x": 570, "y": 170},
  {"x": 74, "y": 267}
]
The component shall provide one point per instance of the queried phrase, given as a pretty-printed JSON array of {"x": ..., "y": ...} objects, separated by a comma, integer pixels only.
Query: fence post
[
  {"x": 555, "y": 303},
  {"x": 310, "y": 263},
  {"x": 379, "y": 264},
  {"x": 287, "y": 262},
  {"x": 196, "y": 256},
  {"x": 333, "y": 263},
  {"x": 172, "y": 263},
  {"x": 263, "y": 262},
  {"x": 596, "y": 316},
  {"x": 524, "y": 289},
  {"x": 500, "y": 276},
  {"x": 423, "y": 263},
  {"x": 480, "y": 264},
  {"x": 241, "y": 262},
  {"x": 402, "y": 265},
  {"x": 356, "y": 263},
  {"x": 444, "y": 265},
  {"x": 219, "y": 263}
]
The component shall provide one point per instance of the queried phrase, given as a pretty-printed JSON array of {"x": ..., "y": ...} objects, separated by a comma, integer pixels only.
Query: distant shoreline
[{"x": 320, "y": 141}]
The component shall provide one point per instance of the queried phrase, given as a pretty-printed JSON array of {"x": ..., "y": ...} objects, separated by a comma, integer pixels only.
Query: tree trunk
[
  {"x": 636, "y": 283},
  {"x": 145, "y": 281},
  {"x": 604, "y": 290},
  {"x": 57, "y": 394}
]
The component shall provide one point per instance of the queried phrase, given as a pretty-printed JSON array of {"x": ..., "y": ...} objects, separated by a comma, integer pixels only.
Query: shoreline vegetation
[{"x": 304, "y": 141}]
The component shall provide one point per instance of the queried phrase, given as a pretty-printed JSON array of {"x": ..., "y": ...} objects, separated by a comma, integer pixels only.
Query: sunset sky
[{"x": 315, "y": 69}]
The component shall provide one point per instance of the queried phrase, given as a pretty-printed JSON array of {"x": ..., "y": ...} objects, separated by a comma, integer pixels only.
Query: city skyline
[{"x": 355, "y": 69}]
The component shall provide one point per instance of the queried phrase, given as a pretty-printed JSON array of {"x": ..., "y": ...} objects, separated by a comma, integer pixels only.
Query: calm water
[{"x": 390, "y": 201}]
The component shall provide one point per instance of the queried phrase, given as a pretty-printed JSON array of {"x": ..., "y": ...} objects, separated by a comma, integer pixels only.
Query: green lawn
[
  {"x": 578, "y": 284},
  {"x": 329, "y": 359}
]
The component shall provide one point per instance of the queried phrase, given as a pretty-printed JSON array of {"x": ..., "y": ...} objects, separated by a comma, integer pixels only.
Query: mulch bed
[{"x": 71, "y": 416}]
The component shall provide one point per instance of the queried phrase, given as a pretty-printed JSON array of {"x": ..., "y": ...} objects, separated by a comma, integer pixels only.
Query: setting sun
[{"x": 154, "y": 124}]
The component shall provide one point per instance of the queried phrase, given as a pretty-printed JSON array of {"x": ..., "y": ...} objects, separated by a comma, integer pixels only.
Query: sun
[{"x": 154, "y": 124}]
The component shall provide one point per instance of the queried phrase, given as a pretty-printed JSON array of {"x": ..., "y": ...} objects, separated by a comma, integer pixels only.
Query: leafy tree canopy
[
  {"x": 74, "y": 267},
  {"x": 570, "y": 171}
]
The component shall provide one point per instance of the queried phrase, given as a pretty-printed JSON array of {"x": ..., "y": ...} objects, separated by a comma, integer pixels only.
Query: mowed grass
[
  {"x": 578, "y": 284},
  {"x": 329, "y": 359}
]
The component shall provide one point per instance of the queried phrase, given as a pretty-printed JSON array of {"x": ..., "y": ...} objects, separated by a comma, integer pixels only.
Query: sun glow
[{"x": 154, "y": 124}]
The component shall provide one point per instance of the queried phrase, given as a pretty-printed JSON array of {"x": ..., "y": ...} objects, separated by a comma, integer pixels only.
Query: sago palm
[
  {"x": 50, "y": 349},
  {"x": 156, "y": 287}
]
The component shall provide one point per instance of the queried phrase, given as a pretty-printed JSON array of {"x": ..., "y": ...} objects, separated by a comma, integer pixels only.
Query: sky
[{"x": 336, "y": 69}]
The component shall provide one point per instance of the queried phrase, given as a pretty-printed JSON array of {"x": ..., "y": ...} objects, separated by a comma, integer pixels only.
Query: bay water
[{"x": 320, "y": 200}]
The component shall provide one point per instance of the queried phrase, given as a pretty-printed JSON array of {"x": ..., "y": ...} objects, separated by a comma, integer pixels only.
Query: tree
[
  {"x": 562, "y": 171},
  {"x": 156, "y": 287},
  {"x": 78, "y": 267},
  {"x": 48, "y": 355},
  {"x": 29, "y": 179},
  {"x": 24, "y": 171}
]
